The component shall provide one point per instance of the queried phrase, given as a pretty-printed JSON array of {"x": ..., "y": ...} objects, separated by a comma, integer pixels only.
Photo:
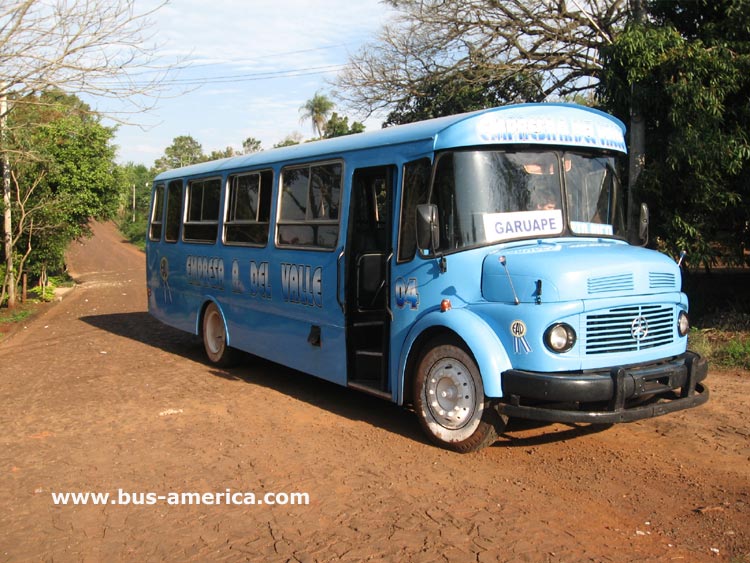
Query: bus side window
[
  {"x": 249, "y": 208},
  {"x": 415, "y": 191},
  {"x": 310, "y": 199},
  {"x": 157, "y": 213},
  {"x": 174, "y": 209},
  {"x": 202, "y": 220}
]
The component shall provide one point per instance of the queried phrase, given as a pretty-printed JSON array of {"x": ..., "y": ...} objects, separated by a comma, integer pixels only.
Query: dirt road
[{"x": 98, "y": 397}]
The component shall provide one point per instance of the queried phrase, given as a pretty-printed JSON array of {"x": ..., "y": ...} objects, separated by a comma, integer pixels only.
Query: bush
[{"x": 135, "y": 232}]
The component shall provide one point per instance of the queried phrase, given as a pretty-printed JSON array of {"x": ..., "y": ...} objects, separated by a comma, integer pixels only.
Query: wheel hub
[{"x": 450, "y": 394}]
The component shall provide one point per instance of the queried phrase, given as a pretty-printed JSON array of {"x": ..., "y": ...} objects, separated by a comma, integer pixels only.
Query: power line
[{"x": 248, "y": 77}]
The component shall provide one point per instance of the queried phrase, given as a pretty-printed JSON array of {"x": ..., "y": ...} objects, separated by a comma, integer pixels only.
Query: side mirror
[
  {"x": 428, "y": 227},
  {"x": 643, "y": 225}
]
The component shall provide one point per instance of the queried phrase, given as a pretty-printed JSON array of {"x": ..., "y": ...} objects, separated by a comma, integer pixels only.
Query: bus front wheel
[
  {"x": 449, "y": 399},
  {"x": 215, "y": 338}
]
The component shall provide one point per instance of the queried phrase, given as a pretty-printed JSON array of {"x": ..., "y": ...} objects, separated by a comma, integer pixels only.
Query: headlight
[
  {"x": 560, "y": 338},
  {"x": 683, "y": 324}
]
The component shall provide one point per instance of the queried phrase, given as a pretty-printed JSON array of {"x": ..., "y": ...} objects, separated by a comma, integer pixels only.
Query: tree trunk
[
  {"x": 10, "y": 282},
  {"x": 637, "y": 150}
]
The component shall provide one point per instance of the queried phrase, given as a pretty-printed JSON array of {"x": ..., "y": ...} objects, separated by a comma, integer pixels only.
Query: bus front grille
[{"x": 629, "y": 329}]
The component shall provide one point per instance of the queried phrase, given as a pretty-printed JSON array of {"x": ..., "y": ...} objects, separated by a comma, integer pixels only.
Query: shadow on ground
[{"x": 142, "y": 327}]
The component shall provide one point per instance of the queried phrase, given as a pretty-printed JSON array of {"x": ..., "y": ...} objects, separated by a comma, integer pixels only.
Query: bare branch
[
  {"x": 104, "y": 48},
  {"x": 556, "y": 40}
]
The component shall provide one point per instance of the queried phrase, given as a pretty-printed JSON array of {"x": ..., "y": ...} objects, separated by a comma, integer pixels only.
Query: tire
[
  {"x": 449, "y": 400},
  {"x": 215, "y": 338}
]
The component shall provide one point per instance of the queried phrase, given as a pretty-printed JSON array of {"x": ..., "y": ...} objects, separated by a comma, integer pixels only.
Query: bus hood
[{"x": 567, "y": 270}]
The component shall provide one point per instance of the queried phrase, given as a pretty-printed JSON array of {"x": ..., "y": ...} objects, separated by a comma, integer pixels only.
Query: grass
[
  {"x": 35, "y": 297},
  {"x": 17, "y": 315},
  {"x": 720, "y": 316},
  {"x": 722, "y": 348}
]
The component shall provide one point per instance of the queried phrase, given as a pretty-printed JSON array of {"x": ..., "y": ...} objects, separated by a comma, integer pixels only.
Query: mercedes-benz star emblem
[{"x": 639, "y": 328}]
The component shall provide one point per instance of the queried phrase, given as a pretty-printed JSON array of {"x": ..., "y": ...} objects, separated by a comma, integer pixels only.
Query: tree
[
  {"x": 183, "y": 151},
  {"x": 136, "y": 195},
  {"x": 339, "y": 127},
  {"x": 251, "y": 145},
  {"x": 226, "y": 153},
  {"x": 97, "y": 47},
  {"x": 552, "y": 45},
  {"x": 459, "y": 92},
  {"x": 688, "y": 69},
  {"x": 317, "y": 109},
  {"x": 137, "y": 179},
  {"x": 63, "y": 173},
  {"x": 290, "y": 140}
]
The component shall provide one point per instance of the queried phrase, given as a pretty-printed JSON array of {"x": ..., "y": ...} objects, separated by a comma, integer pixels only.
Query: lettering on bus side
[
  {"x": 303, "y": 284},
  {"x": 205, "y": 271},
  {"x": 260, "y": 281}
]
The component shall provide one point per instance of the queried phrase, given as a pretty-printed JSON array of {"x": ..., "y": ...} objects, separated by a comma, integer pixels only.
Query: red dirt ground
[{"x": 97, "y": 396}]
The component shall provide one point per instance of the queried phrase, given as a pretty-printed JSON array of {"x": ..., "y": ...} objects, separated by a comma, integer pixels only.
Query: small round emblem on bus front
[{"x": 518, "y": 329}]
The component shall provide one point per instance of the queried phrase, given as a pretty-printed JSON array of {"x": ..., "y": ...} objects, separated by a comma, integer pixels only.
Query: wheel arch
[
  {"x": 208, "y": 300},
  {"x": 468, "y": 330}
]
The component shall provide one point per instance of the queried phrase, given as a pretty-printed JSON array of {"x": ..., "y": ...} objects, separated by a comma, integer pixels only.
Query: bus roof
[{"x": 540, "y": 124}]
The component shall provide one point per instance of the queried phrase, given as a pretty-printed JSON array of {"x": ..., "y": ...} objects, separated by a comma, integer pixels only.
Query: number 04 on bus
[{"x": 475, "y": 267}]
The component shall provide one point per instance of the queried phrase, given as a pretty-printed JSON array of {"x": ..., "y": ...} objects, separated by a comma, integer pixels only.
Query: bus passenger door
[{"x": 368, "y": 250}]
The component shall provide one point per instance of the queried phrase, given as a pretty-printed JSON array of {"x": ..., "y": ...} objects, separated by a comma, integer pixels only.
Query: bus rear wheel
[
  {"x": 215, "y": 338},
  {"x": 449, "y": 399}
]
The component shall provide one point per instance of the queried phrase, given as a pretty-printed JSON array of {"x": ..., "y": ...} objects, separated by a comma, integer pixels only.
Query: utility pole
[
  {"x": 10, "y": 280},
  {"x": 637, "y": 130}
]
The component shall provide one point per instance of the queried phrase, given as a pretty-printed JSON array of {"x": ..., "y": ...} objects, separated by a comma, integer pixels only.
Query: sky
[{"x": 249, "y": 67}]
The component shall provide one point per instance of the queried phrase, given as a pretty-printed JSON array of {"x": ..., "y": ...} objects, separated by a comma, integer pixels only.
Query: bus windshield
[{"x": 487, "y": 196}]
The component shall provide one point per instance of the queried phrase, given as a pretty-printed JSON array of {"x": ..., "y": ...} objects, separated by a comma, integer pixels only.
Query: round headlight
[
  {"x": 683, "y": 324},
  {"x": 560, "y": 338}
]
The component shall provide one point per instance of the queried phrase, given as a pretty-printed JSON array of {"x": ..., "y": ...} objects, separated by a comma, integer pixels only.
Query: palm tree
[{"x": 317, "y": 110}]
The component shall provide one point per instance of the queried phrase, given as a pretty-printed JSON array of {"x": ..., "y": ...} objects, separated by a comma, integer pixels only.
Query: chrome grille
[{"x": 629, "y": 329}]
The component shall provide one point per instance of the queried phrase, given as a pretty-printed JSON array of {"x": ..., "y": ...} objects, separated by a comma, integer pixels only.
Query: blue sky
[{"x": 256, "y": 62}]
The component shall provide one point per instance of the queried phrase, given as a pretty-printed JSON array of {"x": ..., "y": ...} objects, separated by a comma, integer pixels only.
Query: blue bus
[{"x": 475, "y": 267}]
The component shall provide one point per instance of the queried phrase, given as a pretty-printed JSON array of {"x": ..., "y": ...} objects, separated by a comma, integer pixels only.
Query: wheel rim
[
  {"x": 215, "y": 336},
  {"x": 450, "y": 394}
]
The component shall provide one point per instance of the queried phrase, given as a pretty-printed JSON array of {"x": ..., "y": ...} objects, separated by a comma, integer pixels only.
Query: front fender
[{"x": 478, "y": 336}]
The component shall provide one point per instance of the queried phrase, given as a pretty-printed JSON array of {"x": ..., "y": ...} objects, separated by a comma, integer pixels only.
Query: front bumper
[{"x": 622, "y": 394}]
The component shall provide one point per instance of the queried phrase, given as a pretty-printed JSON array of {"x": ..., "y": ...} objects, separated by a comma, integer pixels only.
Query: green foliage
[
  {"x": 288, "y": 141},
  {"x": 183, "y": 151},
  {"x": 688, "y": 70},
  {"x": 135, "y": 231},
  {"x": 226, "y": 153},
  {"x": 317, "y": 109},
  {"x": 63, "y": 174},
  {"x": 136, "y": 179},
  {"x": 461, "y": 91},
  {"x": 722, "y": 348},
  {"x": 251, "y": 145},
  {"x": 15, "y": 316},
  {"x": 338, "y": 126}
]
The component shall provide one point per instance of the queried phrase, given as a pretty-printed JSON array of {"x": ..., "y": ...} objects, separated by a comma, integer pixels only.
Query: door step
[{"x": 365, "y": 388}]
